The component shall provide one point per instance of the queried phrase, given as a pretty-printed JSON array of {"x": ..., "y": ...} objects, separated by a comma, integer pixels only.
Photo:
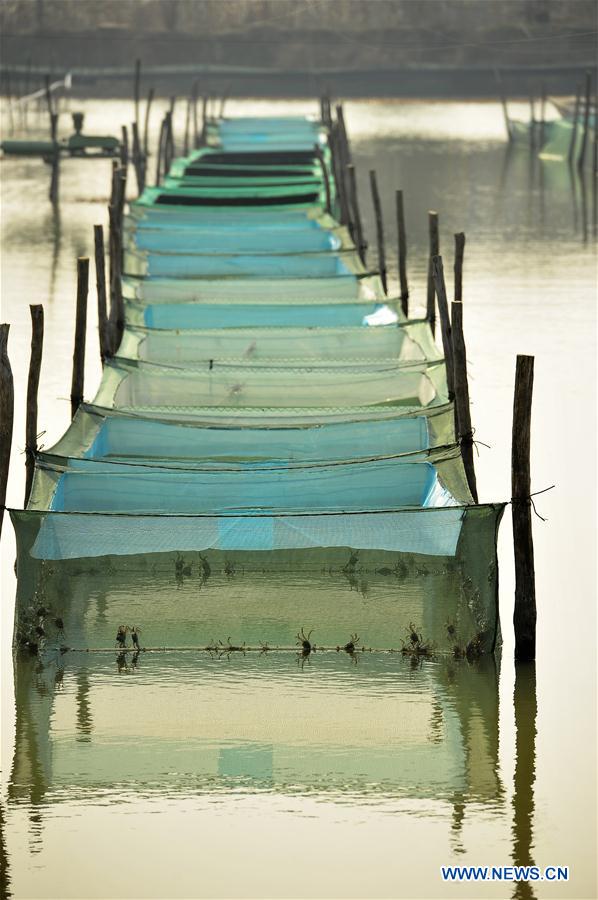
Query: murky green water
[{"x": 265, "y": 775}]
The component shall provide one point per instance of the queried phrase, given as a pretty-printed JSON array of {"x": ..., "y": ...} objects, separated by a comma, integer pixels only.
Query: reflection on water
[{"x": 177, "y": 774}]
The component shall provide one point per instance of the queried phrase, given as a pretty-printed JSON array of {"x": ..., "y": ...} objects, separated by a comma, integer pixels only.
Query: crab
[{"x": 304, "y": 641}]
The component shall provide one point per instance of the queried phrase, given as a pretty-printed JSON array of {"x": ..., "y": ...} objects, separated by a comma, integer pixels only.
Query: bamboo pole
[
  {"x": 325, "y": 177},
  {"x": 575, "y": 130},
  {"x": 402, "y": 239},
  {"x": 355, "y": 213},
  {"x": 148, "y": 106},
  {"x": 77, "y": 382},
  {"x": 379, "y": 230},
  {"x": 54, "y": 178},
  {"x": 35, "y": 361},
  {"x": 138, "y": 163},
  {"x": 100, "y": 261},
  {"x": 586, "y": 121},
  {"x": 6, "y": 416},
  {"x": 159, "y": 151},
  {"x": 542, "y": 114},
  {"x": 524, "y": 616},
  {"x": 445, "y": 323},
  {"x": 187, "y": 127},
  {"x": 458, "y": 267},
  {"x": 461, "y": 388},
  {"x": 195, "y": 118},
  {"x": 337, "y": 161},
  {"x": 124, "y": 146},
  {"x": 505, "y": 112},
  {"x": 434, "y": 250},
  {"x": 136, "y": 87}
]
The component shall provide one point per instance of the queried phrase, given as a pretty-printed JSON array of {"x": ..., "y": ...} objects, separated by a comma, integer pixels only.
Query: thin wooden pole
[
  {"x": 344, "y": 136},
  {"x": 124, "y": 146},
  {"x": 458, "y": 267},
  {"x": 339, "y": 174},
  {"x": 136, "y": 87},
  {"x": 434, "y": 243},
  {"x": 204, "y": 120},
  {"x": 524, "y": 616},
  {"x": 100, "y": 261},
  {"x": 77, "y": 381},
  {"x": 505, "y": 113},
  {"x": 148, "y": 106},
  {"x": 586, "y": 121},
  {"x": 402, "y": 238},
  {"x": 542, "y": 113},
  {"x": 35, "y": 361},
  {"x": 355, "y": 213},
  {"x": 325, "y": 178},
  {"x": 7, "y": 401},
  {"x": 445, "y": 323},
  {"x": 532, "y": 127},
  {"x": 575, "y": 130},
  {"x": 187, "y": 127},
  {"x": 461, "y": 388},
  {"x": 54, "y": 178},
  {"x": 379, "y": 230},
  {"x": 159, "y": 151},
  {"x": 195, "y": 118},
  {"x": 138, "y": 160}
]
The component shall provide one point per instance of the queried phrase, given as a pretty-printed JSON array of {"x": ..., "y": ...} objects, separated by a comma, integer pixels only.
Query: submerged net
[{"x": 270, "y": 413}]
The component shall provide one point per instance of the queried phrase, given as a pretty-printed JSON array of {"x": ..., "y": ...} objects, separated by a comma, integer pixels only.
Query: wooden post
[
  {"x": 159, "y": 151},
  {"x": 379, "y": 230},
  {"x": 168, "y": 142},
  {"x": 575, "y": 130},
  {"x": 325, "y": 178},
  {"x": 458, "y": 268},
  {"x": 542, "y": 114},
  {"x": 346, "y": 148},
  {"x": 138, "y": 160},
  {"x": 80, "y": 330},
  {"x": 124, "y": 146},
  {"x": 505, "y": 113},
  {"x": 148, "y": 107},
  {"x": 115, "y": 212},
  {"x": 434, "y": 242},
  {"x": 100, "y": 261},
  {"x": 402, "y": 237},
  {"x": 204, "y": 120},
  {"x": 339, "y": 174},
  {"x": 445, "y": 323},
  {"x": 355, "y": 213},
  {"x": 55, "y": 157},
  {"x": 35, "y": 361},
  {"x": 586, "y": 121},
  {"x": 524, "y": 616},
  {"x": 187, "y": 126},
  {"x": 136, "y": 87},
  {"x": 194, "y": 93},
  {"x": 7, "y": 400},
  {"x": 532, "y": 127},
  {"x": 461, "y": 388}
]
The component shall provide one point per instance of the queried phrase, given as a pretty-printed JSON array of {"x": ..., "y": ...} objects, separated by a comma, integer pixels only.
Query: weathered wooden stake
[
  {"x": 542, "y": 114},
  {"x": 461, "y": 388},
  {"x": 35, "y": 362},
  {"x": 7, "y": 400},
  {"x": 575, "y": 130},
  {"x": 402, "y": 238},
  {"x": 194, "y": 93},
  {"x": 136, "y": 87},
  {"x": 355, "y": 213},
  {"x": 379, "y": 230},
  {"x": 434, "y": 242},
  {"x": 339, "y": 174},
  {"x": 187, "y": 126},
  {"x": 150, "y": 97},
  {"x": 325, "y": 177},
  {"x": 505, "y": 112},
  {"x": 55, "y": 157},
  {"x": 458, "y": 267},
  {"x": 77, "y": 381},
  {"x": 445, "y": 323},
  {"x": 124, "y": 146},
  {"x": 138, "y": 162},
  {"x": 586, "y": 121},
  {"x": 524, "y": 616},
  {"x": 100, "y": 261},
  {"x": 532, "y": 128},
  {"x": 159, "y": 151}
]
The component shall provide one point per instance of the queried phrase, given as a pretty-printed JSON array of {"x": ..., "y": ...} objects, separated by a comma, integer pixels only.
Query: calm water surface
[{"x": 179, "y": 776}]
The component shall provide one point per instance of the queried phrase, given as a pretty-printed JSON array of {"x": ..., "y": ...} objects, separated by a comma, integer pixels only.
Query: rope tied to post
[
  {"x": 468, "y": 440},
  {"x": 529, "y": 500}
]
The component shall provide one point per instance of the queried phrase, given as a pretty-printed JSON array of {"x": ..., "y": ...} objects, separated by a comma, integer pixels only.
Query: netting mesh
[{"x": 270, "y": 412}]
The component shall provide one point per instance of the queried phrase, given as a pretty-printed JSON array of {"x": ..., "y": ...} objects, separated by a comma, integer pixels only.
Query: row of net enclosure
[{"x": 271, "y": 431}]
